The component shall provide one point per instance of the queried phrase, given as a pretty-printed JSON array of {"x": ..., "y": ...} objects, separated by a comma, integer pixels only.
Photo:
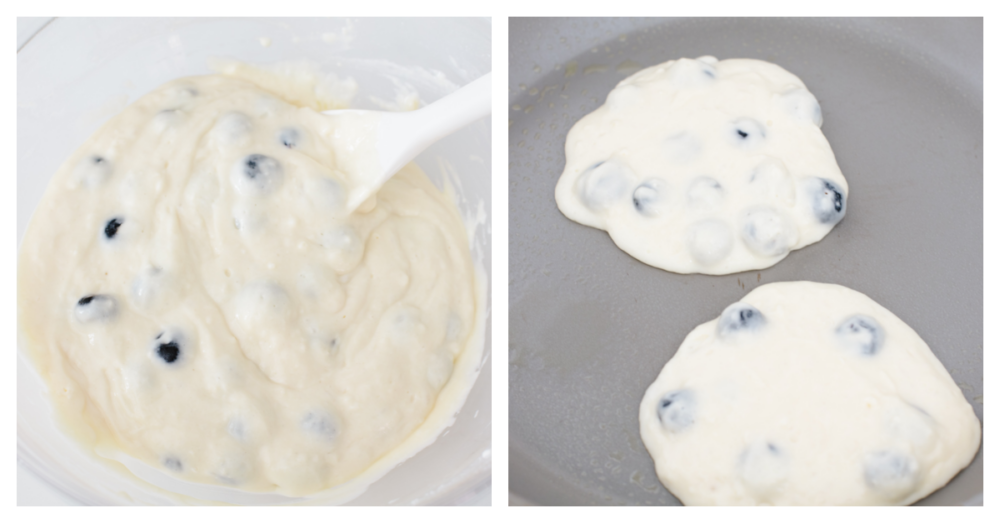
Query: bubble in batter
[{"x": 737, "y": 140}]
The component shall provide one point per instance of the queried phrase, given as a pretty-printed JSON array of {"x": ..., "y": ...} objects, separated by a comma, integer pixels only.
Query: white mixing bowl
[{"x": 76, "y": 73}]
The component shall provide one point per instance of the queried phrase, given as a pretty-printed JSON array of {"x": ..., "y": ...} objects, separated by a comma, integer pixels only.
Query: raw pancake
[
  {"x": 806, "y": 394},
  {"x": 194, "y": 297},
  {"x": 702, "y": 166}
]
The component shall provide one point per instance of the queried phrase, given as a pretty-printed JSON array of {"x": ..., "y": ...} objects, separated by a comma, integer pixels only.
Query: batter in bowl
[
  {"x": 705, "y": 166},
  {"x": 193, "y": 294},
  {"x": 806, "y": 393}
]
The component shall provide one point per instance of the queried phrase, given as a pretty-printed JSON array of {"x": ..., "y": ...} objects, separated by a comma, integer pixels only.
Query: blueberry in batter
[
  {"x": 93, "y": 171},
  {"x": 828, "y": 201},
  {"x": 320, "y": 425},
  {"x": 111, "y": 228},
  {"x": 167, "y": 346},
  {"x": 647, "y": 198},
  {"x": 676, "y": 410},
  {"x": 603, "y": 184},
  {"x": 289, "y": 137},
  {"x": 95, "y": 308},
  {"x": 862, "y": 333},
  {"x": 739, "y": 318},
  {"x": 890, "y": 470},
  {"x": 258, "y": 175},
  {"x": 173, "y": 463},
  {"x": 747, "y": 133},
  {"x": 768, "y": 232}
]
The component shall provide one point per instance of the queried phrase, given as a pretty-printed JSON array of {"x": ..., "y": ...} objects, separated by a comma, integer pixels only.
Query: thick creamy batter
[
  {"x": 806, "y": 394},
  {"x": 194, "y": 296},
  {"x": 705, "y": 166}
]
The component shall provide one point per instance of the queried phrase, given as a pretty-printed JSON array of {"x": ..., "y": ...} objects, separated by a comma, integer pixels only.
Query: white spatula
[{"x": 381, "y": 143}]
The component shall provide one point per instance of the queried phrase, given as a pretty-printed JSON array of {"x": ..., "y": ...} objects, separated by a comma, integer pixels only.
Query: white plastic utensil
[{"x": 381, "y": 143}]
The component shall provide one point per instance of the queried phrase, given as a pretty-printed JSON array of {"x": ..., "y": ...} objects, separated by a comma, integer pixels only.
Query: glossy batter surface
[
  {"x": 705, "y": 166},
  {"x": 194, "y": 296},
  {"x": 806, "y": 394}
]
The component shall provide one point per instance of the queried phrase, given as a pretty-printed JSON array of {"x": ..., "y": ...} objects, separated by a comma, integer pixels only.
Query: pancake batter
[
  {"x": 806, "y": 394},
  {"x": 194, "y": 296},
  {"x": 702, "y": 166}
]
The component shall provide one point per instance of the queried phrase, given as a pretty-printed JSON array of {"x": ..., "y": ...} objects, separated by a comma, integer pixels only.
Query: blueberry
[
  {"x": 237, "y": 429},
  {"x": 890, "y": 471},
  {"x": 602, "y": 184},
  {"x": 763, "y": 465},
  {"x": 320, "y": 425},
  {"x": 767, "y": 232},
  {"x": 862, "y": 333},
  {"x": 707, "y": 64},
  {"x": 168, "y": 347},
  {"x": 801, "y": 104},
  {"x": 111, "y": 228},
  {"x": 289, "y": 137},
  {"x": 828, "y": 200},
  {"x": 95, "y": 308},
  {"x": 738, "y": 318},
  {"x": 173, "y": 463},
  {"x": 232, "y": 469},
  {"x": 93, "y": 171},
  {"x": 709, "y": 241},
  {"x": 233, "y": 129},
  {"x": 747, "y": 133},
  {"x": 648, "y": 198},
  {"x": 705, "y": 192},
  {"x": 257, "y": 174},
  {"x": 676, "y": 410},
  {"x": 687, "y": 73}
]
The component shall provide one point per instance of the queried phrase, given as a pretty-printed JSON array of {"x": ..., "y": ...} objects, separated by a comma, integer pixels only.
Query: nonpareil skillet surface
[{"x": 591, "y": 327}]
